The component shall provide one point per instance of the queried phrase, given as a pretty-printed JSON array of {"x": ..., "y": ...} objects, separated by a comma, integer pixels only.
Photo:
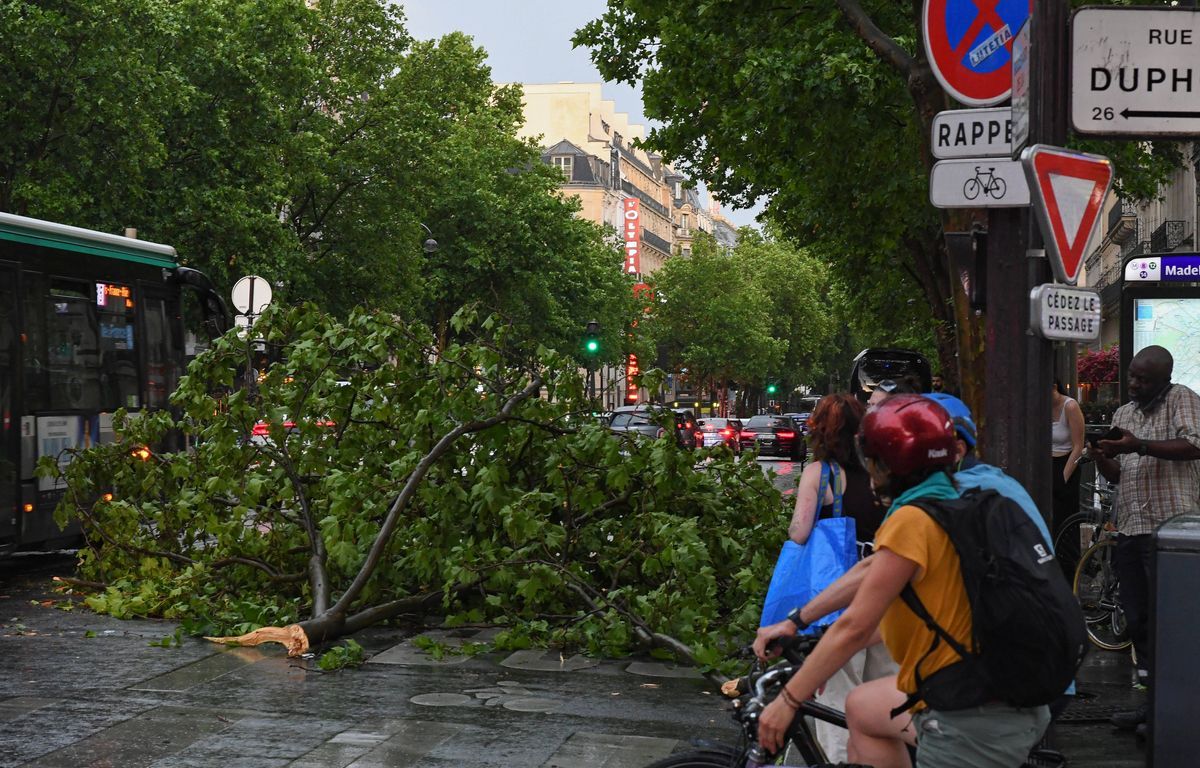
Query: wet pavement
[{"x": 77, "y": 689}]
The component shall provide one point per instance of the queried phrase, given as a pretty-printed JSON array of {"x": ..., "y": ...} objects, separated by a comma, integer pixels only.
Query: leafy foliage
[
  {"x": 348, "y": 654},
  {"x": 414, "y": 476},
  {"x": 824, "y": 110},
  {"x": 305, "y": 142},
  {"x": 1099, "y": 366}
]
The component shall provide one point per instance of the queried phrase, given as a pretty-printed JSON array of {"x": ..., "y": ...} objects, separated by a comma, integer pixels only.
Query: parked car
[
  {"x": 717, "y": 431},
  {"x": 648, "y": 420},
  {"x": 773, "y": 436},
  {"x": 801, "y": 420},
  {"x": 692, "y": 438}
]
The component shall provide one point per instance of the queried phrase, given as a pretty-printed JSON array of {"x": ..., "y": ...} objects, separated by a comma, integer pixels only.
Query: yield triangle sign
[{"x": 1068, "y": 190}]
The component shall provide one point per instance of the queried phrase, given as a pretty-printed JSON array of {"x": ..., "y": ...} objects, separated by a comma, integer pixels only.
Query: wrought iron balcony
[
  {"x": 1122, "y": 221},
  {"x": 1093, "y": 261},
  {"x": 645, "y": 199},
  {"x": 651, "y": 239},
  {"x": 1168, "y": 236},
  {"x": 1135, "y": 248}
]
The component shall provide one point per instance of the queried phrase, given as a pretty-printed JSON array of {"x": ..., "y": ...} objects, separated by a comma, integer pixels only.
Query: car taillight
[
  {"x": 786, "y": 435},
  {"x": 726, "y": 433},
  {"x": 748, "y": 435},
  {"x": 260, "y": 429}
]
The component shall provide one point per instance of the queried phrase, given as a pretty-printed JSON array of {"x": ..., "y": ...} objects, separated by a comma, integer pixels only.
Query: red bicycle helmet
[{"x": 908, "y": 433}]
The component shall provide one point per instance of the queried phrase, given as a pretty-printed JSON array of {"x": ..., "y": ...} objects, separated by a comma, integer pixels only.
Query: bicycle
[
  {"x": 1081, "y": 530},
  {"x": 754, "y": 691},
  {"x": 1098, "y": 589},
  {"x": 988, "y": 183}
]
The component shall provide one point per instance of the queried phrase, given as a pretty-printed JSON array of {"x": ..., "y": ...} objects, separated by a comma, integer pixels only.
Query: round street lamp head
[{"x": 430, "y": 245}]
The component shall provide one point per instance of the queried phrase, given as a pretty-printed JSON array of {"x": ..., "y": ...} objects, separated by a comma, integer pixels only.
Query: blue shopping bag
[{"x": 804, "y": 570}]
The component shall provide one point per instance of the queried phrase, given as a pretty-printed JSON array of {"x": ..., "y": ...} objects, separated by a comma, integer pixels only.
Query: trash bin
[{"x": 1175, "y": 706}]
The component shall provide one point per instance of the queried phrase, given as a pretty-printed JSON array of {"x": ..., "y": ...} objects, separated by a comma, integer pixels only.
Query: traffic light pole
[{"x": 1020, "y": 362}]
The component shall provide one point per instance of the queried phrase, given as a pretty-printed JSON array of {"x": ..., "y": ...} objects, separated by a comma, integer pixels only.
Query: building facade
[
  {"x": 1129, "y": 229},
  {"x": 584, "y": 136}
]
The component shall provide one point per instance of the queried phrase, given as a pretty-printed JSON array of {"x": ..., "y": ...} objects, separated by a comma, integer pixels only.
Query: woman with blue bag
[{"x": 833, "y": 524}]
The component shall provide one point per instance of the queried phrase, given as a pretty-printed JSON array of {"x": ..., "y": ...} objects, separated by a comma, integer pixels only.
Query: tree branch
[{"x": 884, "y": 46}]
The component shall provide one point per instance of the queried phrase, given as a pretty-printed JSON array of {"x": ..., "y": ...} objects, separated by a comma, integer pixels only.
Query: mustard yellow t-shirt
[{"x": 913, "y": 534}]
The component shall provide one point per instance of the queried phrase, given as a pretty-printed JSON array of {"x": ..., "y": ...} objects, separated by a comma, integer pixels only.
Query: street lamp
[{"x": 430, "y": 245}]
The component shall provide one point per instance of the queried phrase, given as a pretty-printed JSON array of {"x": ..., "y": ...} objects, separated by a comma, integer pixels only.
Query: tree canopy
[
  {"x": 823, "y": 109},
  {"x": 304, "y": 142}
]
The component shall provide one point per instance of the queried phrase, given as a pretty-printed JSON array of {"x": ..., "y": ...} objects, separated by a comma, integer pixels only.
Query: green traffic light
[
  {"x": 770, "y": 389},
  {"x": 592, "y": 346}
]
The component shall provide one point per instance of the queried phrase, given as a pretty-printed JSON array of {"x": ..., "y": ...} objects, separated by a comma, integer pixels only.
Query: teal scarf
[{"x": 936, "y": 486}]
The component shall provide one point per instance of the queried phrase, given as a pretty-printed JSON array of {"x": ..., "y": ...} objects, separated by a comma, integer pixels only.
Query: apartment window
[
  {"x": 564, "y": 163},
  {"x": 683, "y": 224},
  {"x": 687, "y": 253}
]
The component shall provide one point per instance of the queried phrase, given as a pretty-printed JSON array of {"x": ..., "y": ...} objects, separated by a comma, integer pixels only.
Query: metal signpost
[
  {"x": 1135, "y": 71},
  {"x": 968, "y": 42},
  {"x": 1061, "y": 313},
  {"x": 978, "y": 182}
]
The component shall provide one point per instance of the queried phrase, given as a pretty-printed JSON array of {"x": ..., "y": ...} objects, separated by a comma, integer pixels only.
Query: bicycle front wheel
[
  {"x": 696, "y": 759},
  {"x": 1097, "y": 590}
]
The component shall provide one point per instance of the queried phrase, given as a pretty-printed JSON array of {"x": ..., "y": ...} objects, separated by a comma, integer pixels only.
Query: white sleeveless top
[{"x": 1060, "y": 431}]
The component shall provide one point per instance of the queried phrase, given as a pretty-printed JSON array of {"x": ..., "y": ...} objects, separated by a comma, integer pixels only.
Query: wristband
[
  {"x": 788, "y": 698},
  {"x": 794, "y": 617},
  {"x": 1142, "y": 447}
]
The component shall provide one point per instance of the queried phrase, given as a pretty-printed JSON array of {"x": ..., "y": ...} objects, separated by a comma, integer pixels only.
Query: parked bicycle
[
  {"x": 1086, "y": 544},
  {"x": 753, "y": 692}
]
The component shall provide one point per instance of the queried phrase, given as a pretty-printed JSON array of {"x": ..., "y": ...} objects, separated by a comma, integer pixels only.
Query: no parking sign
[{"x": 969, "y": 45}]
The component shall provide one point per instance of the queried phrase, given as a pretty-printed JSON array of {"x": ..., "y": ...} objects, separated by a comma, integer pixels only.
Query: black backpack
[{"x": 1028, "y": 630}]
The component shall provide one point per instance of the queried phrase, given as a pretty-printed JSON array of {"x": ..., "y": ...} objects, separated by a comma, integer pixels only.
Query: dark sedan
[
  {"x": 717, "y": 431},
  {"x": 773, "y": 436},
  {"x": 648, "y": 421}
]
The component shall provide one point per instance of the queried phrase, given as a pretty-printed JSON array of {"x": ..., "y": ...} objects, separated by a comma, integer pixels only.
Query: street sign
[
  {"x": 978, "y": 182},
  {"x": 1135, "y": 71},
  {"x": 968, "y": 42},
  {"x": 972, "y": 133},
  {"x": 251, "y": 295},
  {"x": 1175, "y": 268},
  {"x": 1062, "y": 313},
  {"x": 1068, "y": 192},
  {"x": 1020, "y": 89}
]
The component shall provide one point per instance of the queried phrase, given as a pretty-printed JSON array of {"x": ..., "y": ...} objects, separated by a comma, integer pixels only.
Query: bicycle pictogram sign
[
  {"x": 969, "y": 45},
  {"x": 988, "y": 183}
]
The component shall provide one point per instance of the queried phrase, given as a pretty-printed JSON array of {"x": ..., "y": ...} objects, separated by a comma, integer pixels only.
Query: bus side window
[
  {"x": 161, "y": 353},
  {"x": 36, "y": 385}
]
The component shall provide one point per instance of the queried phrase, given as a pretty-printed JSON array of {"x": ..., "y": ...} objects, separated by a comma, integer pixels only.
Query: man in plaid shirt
[{"x": 1156, "y": 462}]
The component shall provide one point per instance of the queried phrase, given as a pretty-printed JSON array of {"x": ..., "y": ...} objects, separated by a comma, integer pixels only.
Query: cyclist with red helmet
[{"x": 908, "y": 445}]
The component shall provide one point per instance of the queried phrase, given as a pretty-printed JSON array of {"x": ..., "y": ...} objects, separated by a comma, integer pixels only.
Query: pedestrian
[
  {"x": 909, "y": 446},
  {"x": 1066, "y": 449},
  {"x": 1156, "y": 463},
  {"x": 938, "y": 384},
  {"x": 831, "y": 432}
]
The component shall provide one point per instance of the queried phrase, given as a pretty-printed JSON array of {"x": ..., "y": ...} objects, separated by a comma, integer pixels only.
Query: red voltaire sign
[
  {"x": 632, "y": 216},
  {"x": 631, "y": 370}
]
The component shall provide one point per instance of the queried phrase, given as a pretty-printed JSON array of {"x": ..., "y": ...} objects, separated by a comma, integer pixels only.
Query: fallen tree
[{"x": 371, "y": 473}]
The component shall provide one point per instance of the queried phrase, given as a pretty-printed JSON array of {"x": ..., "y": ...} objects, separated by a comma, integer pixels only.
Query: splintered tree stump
[{"x": 291, "y": 636}]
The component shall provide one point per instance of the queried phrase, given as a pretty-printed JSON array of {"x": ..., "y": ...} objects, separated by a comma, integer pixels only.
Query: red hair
[{"x": 832, "y": 427}]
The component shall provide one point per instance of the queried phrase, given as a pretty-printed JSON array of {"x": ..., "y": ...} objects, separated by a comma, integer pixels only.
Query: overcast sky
[{"x": 529, "y": 41}]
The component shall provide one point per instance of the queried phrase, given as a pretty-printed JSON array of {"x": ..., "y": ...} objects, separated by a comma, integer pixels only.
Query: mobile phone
[{"x": 1096, "y": 436}]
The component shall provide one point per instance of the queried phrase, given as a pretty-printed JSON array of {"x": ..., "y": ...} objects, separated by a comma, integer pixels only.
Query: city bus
[{"x": 89, "y": 322}]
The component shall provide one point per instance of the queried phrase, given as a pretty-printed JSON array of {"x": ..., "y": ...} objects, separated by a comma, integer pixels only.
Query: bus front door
[{"x": 10, "y": 359}]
